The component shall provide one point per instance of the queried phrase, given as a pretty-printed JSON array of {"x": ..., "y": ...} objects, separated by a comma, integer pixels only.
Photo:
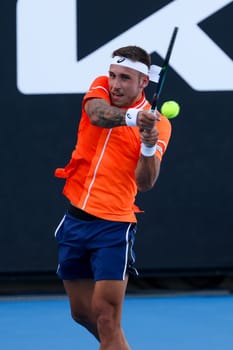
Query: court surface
[{"x": 150, "y": 323}]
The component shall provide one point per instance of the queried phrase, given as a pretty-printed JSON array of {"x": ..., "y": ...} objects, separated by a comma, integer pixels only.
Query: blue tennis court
[{"x": 152, "y": 322}]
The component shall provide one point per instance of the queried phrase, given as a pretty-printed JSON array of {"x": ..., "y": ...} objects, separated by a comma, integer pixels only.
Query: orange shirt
[{"x": 100, "y": 177}]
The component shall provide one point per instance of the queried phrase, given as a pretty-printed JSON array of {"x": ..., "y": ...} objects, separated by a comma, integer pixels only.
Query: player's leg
[
  {"x": 107, "y": 304},
  {"x": 75, "y": 270},
  {"x": 109, "y": 264},
  {"x": 80, "y": 293}
]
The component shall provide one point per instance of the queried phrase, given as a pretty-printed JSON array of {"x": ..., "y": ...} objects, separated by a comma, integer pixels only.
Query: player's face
[{"x": 126, "y": 85}]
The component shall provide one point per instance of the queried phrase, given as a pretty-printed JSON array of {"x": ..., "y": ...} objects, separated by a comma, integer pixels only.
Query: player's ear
[{"x": 144, "y": 81}]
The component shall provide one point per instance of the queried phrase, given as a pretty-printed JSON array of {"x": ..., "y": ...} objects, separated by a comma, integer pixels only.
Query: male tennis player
[{"x": 120, "y": 145}]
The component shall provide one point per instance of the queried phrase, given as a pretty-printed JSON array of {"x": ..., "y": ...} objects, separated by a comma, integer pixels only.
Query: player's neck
[{"x": 140, "y": 98}]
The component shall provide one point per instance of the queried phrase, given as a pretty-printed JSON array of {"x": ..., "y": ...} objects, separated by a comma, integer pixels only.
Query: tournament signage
[{"x": 48, "y": 31}]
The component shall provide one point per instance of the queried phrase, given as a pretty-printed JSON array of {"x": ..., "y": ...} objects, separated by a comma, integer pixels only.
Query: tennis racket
[{"x": 163, "y": 72}]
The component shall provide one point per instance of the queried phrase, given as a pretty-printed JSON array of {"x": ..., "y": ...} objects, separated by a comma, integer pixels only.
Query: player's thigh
[
  {"x": 109, "y": 296},
  {"x": 80, "y": 293}
]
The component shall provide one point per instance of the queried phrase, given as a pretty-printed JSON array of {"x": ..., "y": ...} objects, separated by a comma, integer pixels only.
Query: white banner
[{"x": 47, "y": 46}]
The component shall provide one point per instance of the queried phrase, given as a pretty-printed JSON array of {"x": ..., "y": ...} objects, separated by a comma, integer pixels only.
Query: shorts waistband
[{"x": 81, "y": 214}]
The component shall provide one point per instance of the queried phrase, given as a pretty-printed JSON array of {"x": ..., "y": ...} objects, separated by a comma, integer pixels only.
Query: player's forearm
[
  {"x": 147, "y": 172},
  {"x": 103, "y": 115}
]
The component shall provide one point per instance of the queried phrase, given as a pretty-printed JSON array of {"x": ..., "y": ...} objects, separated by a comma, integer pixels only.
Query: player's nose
[{"x": 115, "y": 84}]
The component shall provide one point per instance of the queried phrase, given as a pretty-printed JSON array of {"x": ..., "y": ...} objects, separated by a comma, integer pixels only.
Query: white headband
[{"x": 153, "y": 72}]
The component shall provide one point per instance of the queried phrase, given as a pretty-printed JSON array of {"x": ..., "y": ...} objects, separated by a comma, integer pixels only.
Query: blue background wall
[{"x": 188, "y": 220}]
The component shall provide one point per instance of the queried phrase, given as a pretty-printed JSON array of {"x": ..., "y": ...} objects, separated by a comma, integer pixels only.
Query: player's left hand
[{"x": 149, "y": 136}]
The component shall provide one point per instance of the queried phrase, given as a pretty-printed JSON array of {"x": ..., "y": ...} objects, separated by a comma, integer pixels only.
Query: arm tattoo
[{"x": 104, "y": 115}]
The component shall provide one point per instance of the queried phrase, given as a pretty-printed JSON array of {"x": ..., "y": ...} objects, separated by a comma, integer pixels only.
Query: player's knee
[
  {"x": 106, "y": 319},
  {"x": 79, "y": 317},
  {"x": 106, "y": 323}
]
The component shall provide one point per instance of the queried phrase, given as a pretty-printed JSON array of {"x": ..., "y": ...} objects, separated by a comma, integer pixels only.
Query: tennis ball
[{"x": 170, "y": 109}]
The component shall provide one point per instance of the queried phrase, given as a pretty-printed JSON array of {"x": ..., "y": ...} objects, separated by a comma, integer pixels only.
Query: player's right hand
[{"x": 147, "y": 119}]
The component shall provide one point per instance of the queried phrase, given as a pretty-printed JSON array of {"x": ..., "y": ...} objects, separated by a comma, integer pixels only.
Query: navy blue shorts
[{"x": 97, "y": 249}]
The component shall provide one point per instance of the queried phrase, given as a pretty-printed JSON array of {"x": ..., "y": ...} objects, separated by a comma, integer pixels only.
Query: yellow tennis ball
[{"x": 170, "y": 109}]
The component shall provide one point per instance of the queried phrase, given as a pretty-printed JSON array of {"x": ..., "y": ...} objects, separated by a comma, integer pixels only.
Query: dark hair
[{"x": 134, "y": 53}]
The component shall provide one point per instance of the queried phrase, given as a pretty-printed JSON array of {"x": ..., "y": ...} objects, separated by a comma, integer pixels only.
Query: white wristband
[
  {"x": 131, "y": 117},
  {"x": 148, "y": 151}
]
